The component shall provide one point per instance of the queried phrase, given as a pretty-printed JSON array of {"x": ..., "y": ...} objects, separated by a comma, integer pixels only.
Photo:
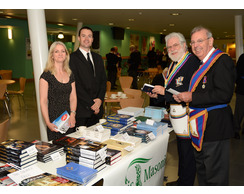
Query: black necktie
[{"x": 89, "y": 61}]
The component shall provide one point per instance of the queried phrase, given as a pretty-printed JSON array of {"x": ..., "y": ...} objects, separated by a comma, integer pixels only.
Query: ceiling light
[
  {"x": 171, "y": 25},
  {"x": 74, "y": 19},
  {"x": 131, "y": 20},
  {"x": 127, "y": 27},
  {"x": 111, "y": 23},
  {"x": 60, "y": 24},
  {"x": 140, "y": 13},
  {"x": 10, "y": 34},
  {"x": 175, "y": 14},
  {"x": 60, "y": 35}
]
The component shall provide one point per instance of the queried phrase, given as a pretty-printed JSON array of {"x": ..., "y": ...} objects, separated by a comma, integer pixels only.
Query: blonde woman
[{"x": 57, "y": 90}]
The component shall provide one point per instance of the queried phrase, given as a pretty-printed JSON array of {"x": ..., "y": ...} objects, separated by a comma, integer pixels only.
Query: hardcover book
[
  {"x": 45, "y": 148},
  {"x": 47, "y": 179},
  {"x": 113, "y": 156},
  {"x": 114, "y": 127},
  {"x": 77, "y": 172},
  {"x": 16, "y": 146},
  {"x": 67, "y": 141},
  {"x": 120, "y": 118}
]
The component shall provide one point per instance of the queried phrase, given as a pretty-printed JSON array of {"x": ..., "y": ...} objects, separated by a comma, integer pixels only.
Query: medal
[{"x": 204, "y": 82}]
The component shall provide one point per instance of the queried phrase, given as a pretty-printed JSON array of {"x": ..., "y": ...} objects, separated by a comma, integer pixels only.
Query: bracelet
[{"x": 72, "y": 111}]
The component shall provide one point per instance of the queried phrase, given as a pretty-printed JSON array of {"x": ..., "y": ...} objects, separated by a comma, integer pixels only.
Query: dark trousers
[
  {"x": 239, "y": 112},
  {"x": 187, "y": 166},
  {"x": 81, "y": 121},
  {"x": 112, "y": 76},
  {"x": 212, "y": 163},
  {"x": 133, "y": 73}
]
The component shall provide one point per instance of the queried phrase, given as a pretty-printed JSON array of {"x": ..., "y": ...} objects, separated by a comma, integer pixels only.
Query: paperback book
[
  {"x": 4, "y": 178},
  {"x": 147, "y": 88},
  {"x": 77, "y": 172},
  {"x": 143, "y": 134},
  {"x": 113, "y": 156},
  {"x": 133, "y": 111},
  {"x": 120, "y": 118},
  {"x": 47, "y": 179},
  {"x": 62, "y": 122}
]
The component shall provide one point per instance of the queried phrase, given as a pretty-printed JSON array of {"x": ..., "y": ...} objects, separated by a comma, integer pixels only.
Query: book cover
[
  {"x": 16, "y": 146},
  {"x": 135, "y": 141},
  {"x": 62, "y": 122},
  {"x": 45, "y": 148},
  {"x": 47, "y": 179},
  {"x": 77, "y": 172},
  {"x": 147, "y": 88},
  {"x": 67, "y": 141},
  {"x": 114, "y": 126},
  {"x": 118, "y": 145},
  {"x": 121, "y": 117},
  {"x": 156, "y": 128}
]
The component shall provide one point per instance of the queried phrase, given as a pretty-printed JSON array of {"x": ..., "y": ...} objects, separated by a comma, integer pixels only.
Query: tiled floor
[{"x": 25, "y": 126}]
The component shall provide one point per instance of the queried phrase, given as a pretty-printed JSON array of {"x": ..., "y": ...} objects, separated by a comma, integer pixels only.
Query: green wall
[{"x": 13, "y": 52}]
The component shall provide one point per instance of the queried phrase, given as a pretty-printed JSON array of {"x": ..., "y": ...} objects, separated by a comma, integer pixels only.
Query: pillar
[
  {"x": 39, "y": 46},
  {"x": 77, "y": 44},
  {"x": 238, "y": 36}
]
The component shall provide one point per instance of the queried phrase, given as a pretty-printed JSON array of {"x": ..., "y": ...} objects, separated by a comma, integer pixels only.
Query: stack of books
[
  {"x": 121, "y": 119},
  {"x": 157, "y": 128},
  {"x": 135, "y": 141},
  {"x": 47, "y": 179},
  {"x": 140, "y": 133},
  {"x": 85, "y": 152},
  {"x": 47, "y": 151},
  {"x": 113, "y": 156},
  {"x": 156, "y": 113},
  {"x": 76, "y": 172},
  {"x": 19, "y": 153},
  {"x": 4, "y": 178},
  {"x": 114, "y": 127},
  {"x": 133, "y": 111}
]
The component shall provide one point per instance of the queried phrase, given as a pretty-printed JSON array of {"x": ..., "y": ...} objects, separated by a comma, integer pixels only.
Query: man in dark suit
[
  {"x": 112, "y": 61},
  {"x": 212, "y": 91},
  {"x": 90, "y": 80}
]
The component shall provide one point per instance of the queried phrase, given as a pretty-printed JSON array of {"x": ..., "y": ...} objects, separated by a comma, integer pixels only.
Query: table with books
[{"x": 130, "y": 152}]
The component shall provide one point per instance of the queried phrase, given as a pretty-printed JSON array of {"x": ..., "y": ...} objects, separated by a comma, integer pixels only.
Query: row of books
[{"x": 18, "y": 152}]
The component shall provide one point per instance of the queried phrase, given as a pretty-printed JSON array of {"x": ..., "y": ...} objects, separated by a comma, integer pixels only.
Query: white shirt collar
[
  {"x": 85, "y": 52},
  {"x": 208, "y": 55}
]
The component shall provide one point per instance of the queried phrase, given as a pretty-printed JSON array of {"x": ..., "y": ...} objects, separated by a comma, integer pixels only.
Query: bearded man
[{"x": 183, "y": 65}]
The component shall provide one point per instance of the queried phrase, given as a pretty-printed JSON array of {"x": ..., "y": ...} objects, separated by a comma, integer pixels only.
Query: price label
[
  {"x": 126, "y": 136},
  {"x": 31, "y": 150},
  {"x": 100, "y": 128},
  {"x": 149, "y": 122},
  {"x": 139, "y": 121},
  {"x": 102, "y": 154},
  {"x": 129, "y": 148},
  {"x": 151, "y": 136},
  {"x": 55, "y": 156}
]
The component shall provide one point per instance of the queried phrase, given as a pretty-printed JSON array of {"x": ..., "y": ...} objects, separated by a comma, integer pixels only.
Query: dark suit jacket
[
  {"x": 218, "y": 90},
  {"x": 88, "y": 87},
  {"x": 112, "y": 60}
]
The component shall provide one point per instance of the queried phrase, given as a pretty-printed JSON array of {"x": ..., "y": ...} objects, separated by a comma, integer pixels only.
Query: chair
[
  {"x": 108, "y": 88},
  {"x": 138, "y": 102},
  {"x": 136, "y": 93},
  {"x": 125, "y": 81},
  {"x": 4, "y": 130},
  {"x": 7, "y": 74},
  {"x": 152, "y": 73},
  {"x": 3, "y": 88},
  {"x": 21, "y": 91}
]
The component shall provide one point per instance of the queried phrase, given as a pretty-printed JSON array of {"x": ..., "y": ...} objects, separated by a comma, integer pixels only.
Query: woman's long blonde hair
[{"x": 50, "y": 61}]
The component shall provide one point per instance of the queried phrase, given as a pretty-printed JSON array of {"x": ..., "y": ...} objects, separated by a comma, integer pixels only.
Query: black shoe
[
  {"x": 173, "y": 183},
  {"x": 237, "y": 135}
]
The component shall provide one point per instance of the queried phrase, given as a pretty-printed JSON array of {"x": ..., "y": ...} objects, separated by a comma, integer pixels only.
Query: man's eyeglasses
[
  {"x": 173, "y": 46},
  {"x": 200, "y": 41}
]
